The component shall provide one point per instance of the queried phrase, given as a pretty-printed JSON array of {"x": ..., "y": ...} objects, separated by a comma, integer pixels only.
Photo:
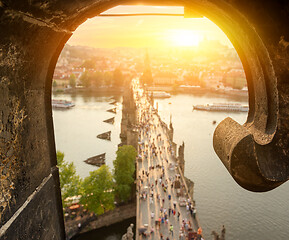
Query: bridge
[{"x": 164, "y": 206}]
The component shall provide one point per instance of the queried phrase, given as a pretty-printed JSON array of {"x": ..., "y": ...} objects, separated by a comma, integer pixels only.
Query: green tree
[
  {"x": 95, "y": 78},
  {"x": 72, "y": 80},
  {"x": 70, "y": 182},
  {"x": 54, "y": 83},
  {"x": 124, "y": 168},
  {"x": 98, "y": 194},
  {"x": 118, "y": 77},
  {"x": 85, "y": 79}
]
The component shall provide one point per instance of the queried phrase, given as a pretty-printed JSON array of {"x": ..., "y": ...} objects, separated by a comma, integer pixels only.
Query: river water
[
  {"x": 76, "y": 128},
  {"x": 219, "y": 200}
]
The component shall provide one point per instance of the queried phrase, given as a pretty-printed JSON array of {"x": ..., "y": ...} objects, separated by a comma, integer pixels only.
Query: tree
[
  {"x": 72, "y": 80},
  {"x": 98, "y": 194},
  {"x": 95, "y": 78},
  {"x": 107, "y": 78},
  {"x": 54, "y": 84},
  {"x": 124, "y": 168},
  {"x": 70, "y": 182},
  {"x": 85, "y": 80},
  {"x": 118, "y": 77}
]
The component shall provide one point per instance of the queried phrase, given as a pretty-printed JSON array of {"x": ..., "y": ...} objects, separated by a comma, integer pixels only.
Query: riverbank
[
  {"x": 93, "y": 223},
  {"x": 89, "y": 90},
  {"x": 233, "y": 93},
  {"x": 84, "y": 221},
  {"x": 201, "y": 91},
  {"x": 112, "y": 232}
]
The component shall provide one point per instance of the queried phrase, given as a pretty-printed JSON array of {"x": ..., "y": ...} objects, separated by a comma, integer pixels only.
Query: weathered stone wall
[
  {"x": 181, "y": 157},
  {"x": 32, "y": 36},
  {"x": 119, "y": 214},
  {"x": 256, "y": 154},
  {"x": 29, "y": 182},
  {"x": 128, "y": 133},
  {"x": 92, "y": 222}
]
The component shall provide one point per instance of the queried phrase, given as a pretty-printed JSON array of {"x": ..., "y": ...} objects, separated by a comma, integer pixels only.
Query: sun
[{"x": 184, "y": 38}]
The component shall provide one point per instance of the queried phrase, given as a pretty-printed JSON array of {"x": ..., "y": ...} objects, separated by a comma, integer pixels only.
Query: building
[
  {"x": 235, "y": 78},
  {"x": 165, "y": 78}
]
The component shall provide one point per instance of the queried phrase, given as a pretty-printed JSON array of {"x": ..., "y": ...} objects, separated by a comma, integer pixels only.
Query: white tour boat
[
  {"x": 64, "y": 104},
  {"x": 224, "y": 107}
]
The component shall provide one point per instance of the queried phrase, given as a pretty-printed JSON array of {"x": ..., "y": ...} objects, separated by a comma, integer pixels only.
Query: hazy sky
[{"x": 146, "y": 31}]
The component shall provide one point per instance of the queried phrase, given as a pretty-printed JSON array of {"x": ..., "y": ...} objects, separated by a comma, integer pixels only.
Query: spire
[{"x": 147, "y": 74}]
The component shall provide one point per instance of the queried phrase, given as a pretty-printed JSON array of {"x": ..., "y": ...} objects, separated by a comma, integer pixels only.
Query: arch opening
[{"x": 263, "y": 99}]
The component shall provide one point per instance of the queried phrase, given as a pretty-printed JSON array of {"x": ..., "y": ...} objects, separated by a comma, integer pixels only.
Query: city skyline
[{"x": 146, "y": 31}]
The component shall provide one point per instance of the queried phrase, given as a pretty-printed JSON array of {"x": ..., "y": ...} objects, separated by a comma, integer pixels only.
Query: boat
[
  {"x": 222, "y": 107},
  {"x": 160, "y": 94},
  {"x": 64, "y": 104}
]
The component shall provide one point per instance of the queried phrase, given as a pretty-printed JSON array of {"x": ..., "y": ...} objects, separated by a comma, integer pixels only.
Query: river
[
  {"x": 219, "y": 199},
  {"x": 76, "y": 128}
]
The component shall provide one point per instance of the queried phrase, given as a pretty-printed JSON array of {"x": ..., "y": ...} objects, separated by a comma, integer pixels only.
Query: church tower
[{"x": 147, "y": 77}]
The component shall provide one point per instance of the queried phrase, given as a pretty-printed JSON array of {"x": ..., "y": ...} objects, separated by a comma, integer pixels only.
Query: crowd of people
[{"x": 170, "y": 212}]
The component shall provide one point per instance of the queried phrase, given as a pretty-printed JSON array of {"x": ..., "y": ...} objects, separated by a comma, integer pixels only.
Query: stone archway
[{"x": 32, "y": 36}]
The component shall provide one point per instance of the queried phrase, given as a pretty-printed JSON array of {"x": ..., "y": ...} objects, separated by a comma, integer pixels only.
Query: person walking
[
  {"x": 200, "y": 231},
  {"x": 194, "y": 213},
  {"x": 172, "y": 230},
  {"x": 175, "y": 204}
]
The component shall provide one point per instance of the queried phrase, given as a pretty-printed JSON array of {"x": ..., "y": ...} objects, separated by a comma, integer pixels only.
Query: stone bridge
[{"x": 33, "y": 34}]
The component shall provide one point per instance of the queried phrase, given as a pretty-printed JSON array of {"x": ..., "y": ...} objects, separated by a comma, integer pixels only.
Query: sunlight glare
[{"x": 184, "y": 38}]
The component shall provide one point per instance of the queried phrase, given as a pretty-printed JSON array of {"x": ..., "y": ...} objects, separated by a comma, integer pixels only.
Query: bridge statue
[
  {"x": 215, "y": 235},
  {"x": 129, "y": 234}
]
